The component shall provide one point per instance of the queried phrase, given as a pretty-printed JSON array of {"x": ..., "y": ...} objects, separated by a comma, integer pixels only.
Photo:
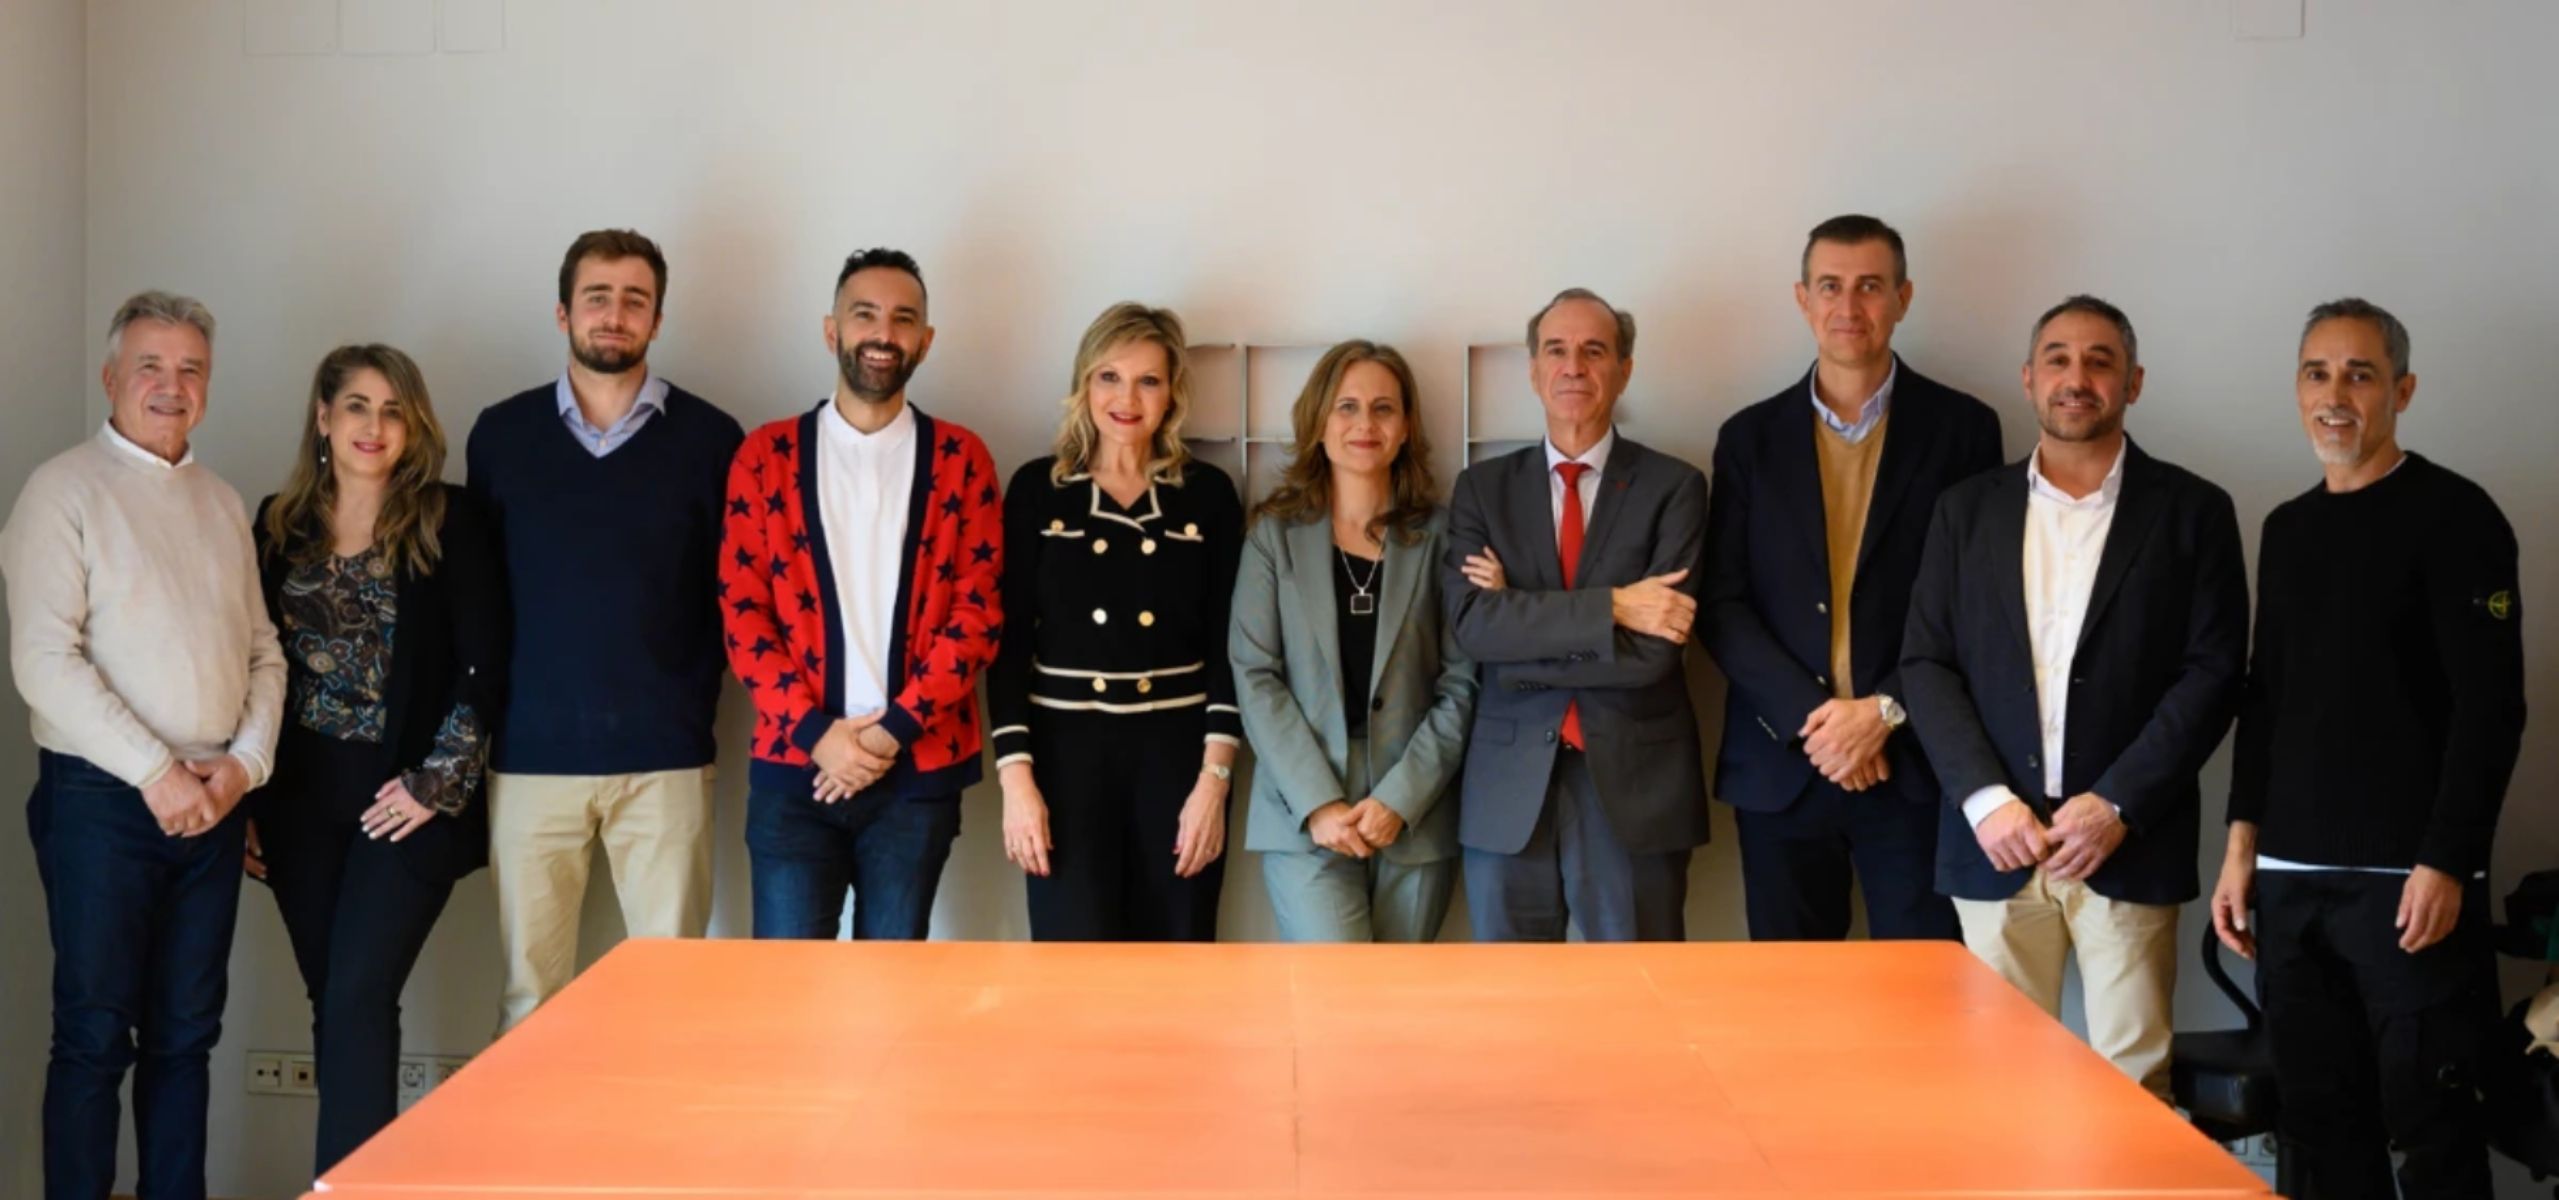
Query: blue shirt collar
[
  {"x": 1869, "y": 414},
  {"x": 652, "y": 399}
]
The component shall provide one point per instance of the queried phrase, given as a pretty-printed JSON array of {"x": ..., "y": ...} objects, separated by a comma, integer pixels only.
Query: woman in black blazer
[{"x": 384, "y": 586}]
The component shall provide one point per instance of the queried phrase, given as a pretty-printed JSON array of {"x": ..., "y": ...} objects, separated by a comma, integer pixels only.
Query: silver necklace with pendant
[{"x": 1362, "y": 602}]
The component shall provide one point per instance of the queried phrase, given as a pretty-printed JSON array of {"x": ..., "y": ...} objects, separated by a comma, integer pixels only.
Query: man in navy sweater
[{"x": 607, "y": 485}]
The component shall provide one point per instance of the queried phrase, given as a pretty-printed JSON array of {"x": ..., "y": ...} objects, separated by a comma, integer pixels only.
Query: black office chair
[
  {"x": 2225, "y": 1078},
  {"x": 2521, "y": 1088}
]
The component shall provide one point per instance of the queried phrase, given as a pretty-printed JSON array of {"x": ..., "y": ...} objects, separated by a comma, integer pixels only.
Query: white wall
[
  {"x": 44, "y": 370},
  {"x": 1420, "y": 172}
]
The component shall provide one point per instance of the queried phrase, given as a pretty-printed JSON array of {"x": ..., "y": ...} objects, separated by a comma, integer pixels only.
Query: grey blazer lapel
[
  {"x": 1402, "y": 580},
  {"x": 1533, "y": 514},
  {"x": 1310, "y": 567}
]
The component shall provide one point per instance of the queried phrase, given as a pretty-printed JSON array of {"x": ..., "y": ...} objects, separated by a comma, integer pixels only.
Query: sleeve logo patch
[{"x": 2501, "y": 604}]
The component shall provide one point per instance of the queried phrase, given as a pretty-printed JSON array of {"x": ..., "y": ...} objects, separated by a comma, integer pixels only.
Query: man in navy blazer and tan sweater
[
  {"x": 1822, "y": 496},
  {"x": 2075, "y": 648}
]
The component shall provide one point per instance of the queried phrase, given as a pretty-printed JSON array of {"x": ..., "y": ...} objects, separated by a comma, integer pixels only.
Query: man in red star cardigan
[
  {"x": 785, "y": 631},
  {"x": 866, "y": 723}
]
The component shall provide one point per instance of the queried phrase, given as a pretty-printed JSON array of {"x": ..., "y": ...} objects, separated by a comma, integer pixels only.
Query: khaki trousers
[
  {"x": 656, "y": 830},
  {"x": 2127, "y": 964}
]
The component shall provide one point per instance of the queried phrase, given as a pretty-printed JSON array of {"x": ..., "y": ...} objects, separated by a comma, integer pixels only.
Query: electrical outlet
[
  {"x": 286, "y": 1073},
  {"x": 282, "y": 1073},
  {"x": 423, "y": 1073},
  {"x": 266, "y": 1073}
]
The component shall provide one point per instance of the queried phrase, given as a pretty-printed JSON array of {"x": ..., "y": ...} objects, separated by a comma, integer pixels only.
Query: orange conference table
[{"x": 739, "y": 1069}]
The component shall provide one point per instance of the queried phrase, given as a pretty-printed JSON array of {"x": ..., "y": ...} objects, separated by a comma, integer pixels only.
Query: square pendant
[{"x": 1362, "y": 604}]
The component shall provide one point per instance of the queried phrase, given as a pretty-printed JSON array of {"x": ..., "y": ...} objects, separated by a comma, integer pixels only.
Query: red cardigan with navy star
[{"x": 785, "y": 630}]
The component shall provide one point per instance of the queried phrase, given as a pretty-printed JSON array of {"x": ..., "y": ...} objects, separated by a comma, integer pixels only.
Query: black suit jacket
[
  {"x": 2154, "y": 680},
  {"x": 1765, "y": 612},
  {"x": 448, "y": 647}
]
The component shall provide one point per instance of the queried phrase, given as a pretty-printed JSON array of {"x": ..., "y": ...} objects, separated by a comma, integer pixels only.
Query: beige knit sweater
[{"x": 137, "y": 632}]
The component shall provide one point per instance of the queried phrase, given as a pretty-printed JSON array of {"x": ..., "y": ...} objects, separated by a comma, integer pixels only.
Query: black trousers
[
  {"x": 2374, "y": 1047},
  {"x": 1115, "y": 785},
  {"x": 1798, "y": 864},
  {"x": 358, "y": 911}
]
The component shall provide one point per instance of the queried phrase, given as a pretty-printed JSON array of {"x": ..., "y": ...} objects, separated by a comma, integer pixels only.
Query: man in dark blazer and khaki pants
[
  {"x": 1822, "y": 497},
  {"x": 2076, "y": 643},
  {"x": 1570, "y": 577}
]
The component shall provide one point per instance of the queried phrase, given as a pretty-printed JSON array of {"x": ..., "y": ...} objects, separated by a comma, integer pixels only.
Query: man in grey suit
[{"x": 1568, "y": 578}]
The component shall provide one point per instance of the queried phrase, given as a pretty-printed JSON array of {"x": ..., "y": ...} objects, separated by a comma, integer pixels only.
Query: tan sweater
[
  {"x": 1848, "y": 483},
  {"x": 137, "y": 632}
]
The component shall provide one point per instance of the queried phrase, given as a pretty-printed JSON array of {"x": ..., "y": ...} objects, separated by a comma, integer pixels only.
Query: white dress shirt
[
  {"x": 2065, "y": 538},
  {"x": 863, "y": 484},
  {"x": 1596, "y": 458}
]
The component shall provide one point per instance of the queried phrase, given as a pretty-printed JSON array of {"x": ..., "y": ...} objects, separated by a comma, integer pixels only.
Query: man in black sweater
[{"x": 2383, "y": 711}]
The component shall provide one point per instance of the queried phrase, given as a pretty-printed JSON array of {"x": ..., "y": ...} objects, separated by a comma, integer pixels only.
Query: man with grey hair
[
  {"x": 1571, "y": 579},
  {"x": 2383, "y": 713},
  {"x": 140, "y": 641}
]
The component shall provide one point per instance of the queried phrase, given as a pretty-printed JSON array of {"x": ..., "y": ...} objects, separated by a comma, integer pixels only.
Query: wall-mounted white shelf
[
  {"x": 1243, "y": 397},
  {"x": 1501, "y": 412}
]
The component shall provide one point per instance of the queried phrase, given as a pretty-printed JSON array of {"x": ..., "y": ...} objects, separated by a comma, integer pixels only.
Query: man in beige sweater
[{"x": 139, "y": 639}]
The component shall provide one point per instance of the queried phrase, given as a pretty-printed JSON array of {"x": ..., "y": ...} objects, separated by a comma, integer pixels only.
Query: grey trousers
[
  {"x": 1320, "y": 896},
  {"x": 1574, "y": 871}
]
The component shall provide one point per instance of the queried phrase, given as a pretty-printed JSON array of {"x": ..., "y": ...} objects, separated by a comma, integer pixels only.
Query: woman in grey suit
[{"x": 1356, "y": 702}]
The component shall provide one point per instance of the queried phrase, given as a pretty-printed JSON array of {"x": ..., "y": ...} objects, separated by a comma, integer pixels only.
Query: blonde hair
[
  {"x": 1306, "y": 487},
  {"x": 1077, "y": 438},
  {"x": 412, "y": 506}
]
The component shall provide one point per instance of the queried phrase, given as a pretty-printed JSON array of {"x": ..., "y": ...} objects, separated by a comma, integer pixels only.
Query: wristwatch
[
  {"x": 1895, "y": 716},
  {"x": 1224, "y": 773}
]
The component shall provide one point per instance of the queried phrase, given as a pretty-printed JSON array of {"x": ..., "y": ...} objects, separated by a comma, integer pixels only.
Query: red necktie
[{"x": 1568, "y": 543}]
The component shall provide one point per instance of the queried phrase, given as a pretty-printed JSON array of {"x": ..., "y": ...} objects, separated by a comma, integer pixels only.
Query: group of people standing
[{"x": 1980, "y": 695}]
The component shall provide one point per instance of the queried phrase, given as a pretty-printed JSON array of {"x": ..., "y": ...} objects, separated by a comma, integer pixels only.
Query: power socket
[
  {"x": 266, "y": 1073},
  {"x": 422, "y": 1073},
  {"x": 282, "y": 1073},
  {"x": 292, "y": 1073}
]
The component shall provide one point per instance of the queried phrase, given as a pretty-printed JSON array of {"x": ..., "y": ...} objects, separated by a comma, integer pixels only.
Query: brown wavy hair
[
  {"x": 1077, "y": 437},
  {"x": 413, "y": 506},
  {"x": 1306, "y": 487}
]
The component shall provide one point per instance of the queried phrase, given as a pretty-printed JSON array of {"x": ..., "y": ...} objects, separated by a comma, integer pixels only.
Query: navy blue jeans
[
  {"x": 141, "y": 924},
  {"x": 888, "y": 852}
]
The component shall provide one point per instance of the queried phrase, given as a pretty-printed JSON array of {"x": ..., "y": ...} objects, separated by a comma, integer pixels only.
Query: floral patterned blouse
[{"x": 339, "y": 614}]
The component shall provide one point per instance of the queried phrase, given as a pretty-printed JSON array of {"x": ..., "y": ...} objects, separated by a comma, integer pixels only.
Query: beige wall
[
  {"x": 44, "y": 370},
  {"x": 1420, "y": 172}
]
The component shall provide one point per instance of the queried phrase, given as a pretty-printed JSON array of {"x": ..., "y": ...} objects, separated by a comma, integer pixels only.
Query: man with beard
[
  {"x": 606, "y": 485},
  {"x": 2382, "y": 717},
  {"x": 861, "y": 584},
  {"x": 2074, "y": 650}
]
